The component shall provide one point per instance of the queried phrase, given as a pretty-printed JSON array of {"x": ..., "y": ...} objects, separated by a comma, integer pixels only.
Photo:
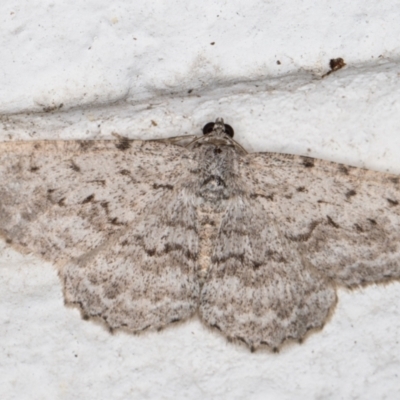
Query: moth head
[{"x": 218, "y": 128}]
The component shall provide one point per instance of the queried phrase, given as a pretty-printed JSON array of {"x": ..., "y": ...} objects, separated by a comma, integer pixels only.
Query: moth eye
[
  {"x": 229, "y": 130},
  {"x": 208, "y": 128}
]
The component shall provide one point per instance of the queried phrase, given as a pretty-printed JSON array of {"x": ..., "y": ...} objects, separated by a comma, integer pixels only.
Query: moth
[{"x": 147, "y": 233}]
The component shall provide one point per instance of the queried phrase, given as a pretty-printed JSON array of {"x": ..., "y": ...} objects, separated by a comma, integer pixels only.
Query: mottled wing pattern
[
  {"x": 145, "y": 275},
  {"x": 258, "y": 290},
  {"x": 301, "y": 227},
  {"x": 279, "y": 232},
  {"x": 89, "y": 207},
  {"x": 61, "y": 199},
  {"x": 344, "y": 221}
]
